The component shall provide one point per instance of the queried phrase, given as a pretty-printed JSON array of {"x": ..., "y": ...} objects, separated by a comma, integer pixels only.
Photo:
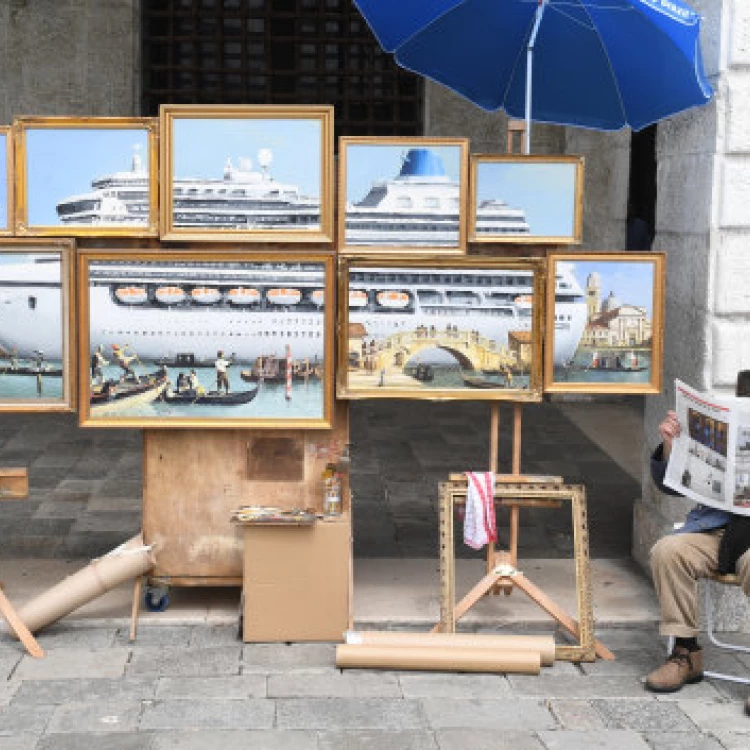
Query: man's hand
[{"x": 669, "y": 429}]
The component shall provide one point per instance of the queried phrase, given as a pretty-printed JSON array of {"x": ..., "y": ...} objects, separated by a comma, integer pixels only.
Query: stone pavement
[{"x": 195, "y": 687}]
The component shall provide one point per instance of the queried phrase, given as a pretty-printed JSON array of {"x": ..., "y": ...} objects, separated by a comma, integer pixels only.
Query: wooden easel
[
  {"x": 24, "y": 635},
  {"x": 501, "y": 565}
]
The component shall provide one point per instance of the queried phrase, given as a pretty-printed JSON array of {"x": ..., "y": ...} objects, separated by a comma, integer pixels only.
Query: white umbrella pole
[{"x": 529, "y": 67}]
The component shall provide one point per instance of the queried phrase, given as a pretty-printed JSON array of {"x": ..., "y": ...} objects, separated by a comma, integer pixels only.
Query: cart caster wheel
[{"x": 156, "y": 600}]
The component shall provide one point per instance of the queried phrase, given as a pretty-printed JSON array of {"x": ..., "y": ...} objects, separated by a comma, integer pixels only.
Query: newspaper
[{"x": 710, "y": 460}]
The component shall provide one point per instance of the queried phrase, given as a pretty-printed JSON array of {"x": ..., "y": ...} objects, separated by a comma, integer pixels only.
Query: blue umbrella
[{"x": 602, "y": 64}]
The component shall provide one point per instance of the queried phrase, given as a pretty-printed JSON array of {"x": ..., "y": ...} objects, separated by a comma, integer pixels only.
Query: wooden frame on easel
[{"x": 514, "y": 493}]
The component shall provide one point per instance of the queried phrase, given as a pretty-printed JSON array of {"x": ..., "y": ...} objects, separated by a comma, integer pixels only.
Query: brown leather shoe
[{"x": 683, "y": 667}]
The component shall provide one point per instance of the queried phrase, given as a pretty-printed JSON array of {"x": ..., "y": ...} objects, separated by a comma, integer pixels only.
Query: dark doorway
[{"x": 642, "y": 189}]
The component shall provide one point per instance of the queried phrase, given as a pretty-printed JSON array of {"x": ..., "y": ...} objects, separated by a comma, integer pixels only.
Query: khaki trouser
[{"x": 677, "y": 562}]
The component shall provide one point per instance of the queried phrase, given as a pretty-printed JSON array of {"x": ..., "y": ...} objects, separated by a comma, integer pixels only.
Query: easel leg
[
  {"x": 20, "y": 629},
  {"x": 539, "y": 597},
  {"x": 137, "y": 594}
]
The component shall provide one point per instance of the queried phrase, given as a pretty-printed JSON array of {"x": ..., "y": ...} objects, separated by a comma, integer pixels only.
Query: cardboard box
[{"x": 297, "y": 582}]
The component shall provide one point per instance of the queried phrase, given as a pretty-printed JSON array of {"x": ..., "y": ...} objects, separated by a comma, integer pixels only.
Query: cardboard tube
[
  {"x": 438, "y": 659},
  {"x": 545, "y": 644},
  {"x": 99, "y": 576}
]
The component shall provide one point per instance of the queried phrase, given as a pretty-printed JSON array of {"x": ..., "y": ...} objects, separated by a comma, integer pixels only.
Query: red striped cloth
[{"x": 479, "y": 521}]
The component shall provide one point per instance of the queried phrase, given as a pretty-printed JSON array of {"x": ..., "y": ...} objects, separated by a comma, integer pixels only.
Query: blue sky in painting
[
  {"x": 366, "y": 163},
  {"x": 546, "y": 193},
  {"x": 3, "y": 181},
  {"x": 202, "y": 146},
  {"x": 62, "y": 162},
  {"x": 632, "y": 282}
]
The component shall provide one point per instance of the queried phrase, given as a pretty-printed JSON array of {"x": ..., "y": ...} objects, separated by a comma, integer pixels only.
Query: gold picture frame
[
  {"x": 384, "y": 208},
  {"x": 37, "y": 366},
  {"x": 87, "y": 173},
  {"x": 604, "y": 345},
  {"x": 440, "y": 328},
  {"x": 6, "y": 176},
  {"x": 522, "y": 494},
  {"x": 295, "y": 144},
  {"x": 526, "y": 199},
  {"x": 152, "y": 320}
]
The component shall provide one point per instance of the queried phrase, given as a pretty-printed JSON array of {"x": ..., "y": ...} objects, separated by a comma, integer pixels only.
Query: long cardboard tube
[
  {"x": 544, "y": 644},
  {"x": 437, "y": 659},
  {"x": 99, "y": 576}
]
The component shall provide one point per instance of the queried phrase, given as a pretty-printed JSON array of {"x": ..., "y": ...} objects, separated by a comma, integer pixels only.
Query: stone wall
[
  {"x": 703, "y": 224},
  {"x": 68, "y": 57}
]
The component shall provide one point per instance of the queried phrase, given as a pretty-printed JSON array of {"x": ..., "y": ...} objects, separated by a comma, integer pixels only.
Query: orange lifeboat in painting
[
  {"x": 318, "y": 297},
  {"x": 283, "y": 296},
  {"x": 243, "y": 296},
  {"x": 131, "y": 295},
  {"x": 357, "y": 298},
  {"x": 205, "y": 295},
  {"x": 396, "y": 300},
  {"x": 169, "y": 295}
]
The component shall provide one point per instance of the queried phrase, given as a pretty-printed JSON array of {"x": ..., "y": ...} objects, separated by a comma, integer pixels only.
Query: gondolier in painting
[
  {"x": 222, "y": 377},
  {"x": 98, "y": 363},
  {"x": 123, "y": 360}
]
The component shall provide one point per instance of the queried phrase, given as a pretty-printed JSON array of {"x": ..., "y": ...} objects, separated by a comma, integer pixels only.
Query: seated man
[{"x": 677, "y": 562}]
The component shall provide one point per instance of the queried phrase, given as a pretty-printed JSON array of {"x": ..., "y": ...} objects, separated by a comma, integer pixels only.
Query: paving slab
[
  {"x": 253, "y": 739},
  {"x": 53, "y": 692},
  {"x": 238, "y": 687},
  {"x": 214, "y": 714},
  {"x": 74, "y": 663},
  {"x": 681, "y": 741},
  {"x": 523, "y": 715},
  {"x": 278, "y": 657},
  {"x": 370, "y": 739},
  {"x": 552, "y": 686},
  {"x": 106, "y": 741},
  {"x": 24, "y": 719},
  {"x": 612, "y": 740},
  {"x": 577, "y": 715},
  {"x": 349, "y": 713},
  {"x": 19, "y": 742},
  {"x": 8, "y": 662},
  {"x": 455, "y": 686},
  {"x": 110, "y": 716},
  {"x": 643, "y": 716},
  {"x": 206, "y": 662},
  {"x": 712, "y": 717},
  {"x": 334, "y": 685},
  {"x": 486, "y": 739}
]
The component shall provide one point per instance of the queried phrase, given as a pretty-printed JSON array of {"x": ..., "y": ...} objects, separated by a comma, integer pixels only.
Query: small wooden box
[
  {"x": 14, "y": 483},
  {"x": 297, "y": 582}
]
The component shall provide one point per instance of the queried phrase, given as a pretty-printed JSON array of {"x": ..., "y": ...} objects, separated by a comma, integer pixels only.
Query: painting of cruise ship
[
  {"x": 468, "y": 329},
  {"x": 546, "y": 190},
  {"x": 405, "y": 194},
  {"x": 89, "y": 176},
  {"x": 207, "y": 337},
  {"x": 36, "y": 367},
  {"x": 620, "y": 348},
  {"x": 253, "y": 172}
]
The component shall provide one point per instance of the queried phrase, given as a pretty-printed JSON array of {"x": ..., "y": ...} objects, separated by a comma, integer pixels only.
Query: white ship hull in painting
[
  {"x": 420, "y": 207},
  {"x": 154, "y": 307}
]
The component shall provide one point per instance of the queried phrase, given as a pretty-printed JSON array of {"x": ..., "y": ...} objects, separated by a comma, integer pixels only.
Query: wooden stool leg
[
  {"x": 137, "y": 594},
  {"x": 15, "y": 622}
]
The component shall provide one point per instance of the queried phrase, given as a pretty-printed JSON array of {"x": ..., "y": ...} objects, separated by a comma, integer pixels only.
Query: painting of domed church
[{"x": 619, "y": 343}]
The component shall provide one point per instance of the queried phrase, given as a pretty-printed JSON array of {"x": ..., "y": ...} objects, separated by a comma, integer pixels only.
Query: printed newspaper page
[{"x": 710, "y": 461}]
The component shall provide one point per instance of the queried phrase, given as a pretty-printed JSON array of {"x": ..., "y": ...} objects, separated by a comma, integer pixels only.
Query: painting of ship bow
[
  {"x": 620, "y": 349},
  {"x": 205, "y": 339}
]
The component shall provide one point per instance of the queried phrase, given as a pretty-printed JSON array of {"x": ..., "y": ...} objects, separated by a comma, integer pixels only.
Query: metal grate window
[{"x": 276, "y": 52}]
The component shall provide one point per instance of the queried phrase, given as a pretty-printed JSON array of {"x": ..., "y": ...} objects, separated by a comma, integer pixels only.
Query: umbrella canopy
[{"x": 602, "y": 64}]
